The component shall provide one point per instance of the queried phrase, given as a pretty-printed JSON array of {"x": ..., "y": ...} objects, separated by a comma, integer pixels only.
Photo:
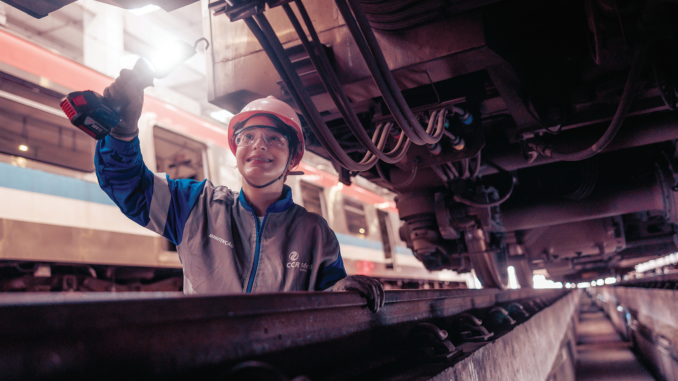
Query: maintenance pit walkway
[{"x": 601, "y": 353}]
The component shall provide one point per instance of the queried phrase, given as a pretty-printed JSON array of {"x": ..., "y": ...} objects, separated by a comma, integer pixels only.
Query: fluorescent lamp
[
  {"x": 222, "y": 115},
  {"x": 144, "y": 10},
  {"x": 23, "y": 148}
]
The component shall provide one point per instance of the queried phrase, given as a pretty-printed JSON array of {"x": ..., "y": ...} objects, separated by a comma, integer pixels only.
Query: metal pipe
[
  {"x": 638, "y": 131},
  {"x": 630, "y": 91},
  {"x": 602, "y": 203}
]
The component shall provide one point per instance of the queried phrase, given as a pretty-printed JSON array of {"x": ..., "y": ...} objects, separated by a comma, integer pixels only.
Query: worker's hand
[
  {"x": 128, "y": 89},
  {"x": 367, "y": 286}
]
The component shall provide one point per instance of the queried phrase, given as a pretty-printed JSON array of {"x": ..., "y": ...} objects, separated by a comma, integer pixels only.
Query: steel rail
[{"x": 66, "y": 334}]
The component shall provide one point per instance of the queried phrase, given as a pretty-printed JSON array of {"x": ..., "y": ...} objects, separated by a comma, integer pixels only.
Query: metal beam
[{"x": 154, "y": 335}]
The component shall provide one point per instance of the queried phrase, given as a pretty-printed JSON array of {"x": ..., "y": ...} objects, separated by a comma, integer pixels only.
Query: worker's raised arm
[{"x": 151, "y": 200}]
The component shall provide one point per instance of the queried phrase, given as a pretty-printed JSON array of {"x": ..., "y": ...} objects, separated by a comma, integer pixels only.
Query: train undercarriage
[
  {"x": 557, "y": 145},
  {"x": 538, "y": 135}
]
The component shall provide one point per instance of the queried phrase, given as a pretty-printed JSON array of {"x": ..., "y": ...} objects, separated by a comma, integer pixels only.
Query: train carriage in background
[{"x": 59, "y": 231}]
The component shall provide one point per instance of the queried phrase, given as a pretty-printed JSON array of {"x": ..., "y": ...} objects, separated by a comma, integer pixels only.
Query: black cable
[
  {"x": 378, "y": 78},
  {"x": 624, "y": 105},
  {"x": 305, "y": 103},
  {"x": 378, "y": 55},
  {"x": 494, "y": 203},
  {"x": 476, "y": 170},
  {"x": 334, "y": 88},
  {"x": 258, "y": 33}
]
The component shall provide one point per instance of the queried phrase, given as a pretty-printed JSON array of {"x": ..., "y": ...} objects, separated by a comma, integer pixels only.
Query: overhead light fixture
[
  {"x": 23, "y": 148},
  {"x": 144, "y": 10},
  {"x": 222, "y": 115}
]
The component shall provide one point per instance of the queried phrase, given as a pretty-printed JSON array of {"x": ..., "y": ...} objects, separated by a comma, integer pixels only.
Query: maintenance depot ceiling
[
  {"x": 63, "y": 32},
  {"x": 41, "y": 8}
]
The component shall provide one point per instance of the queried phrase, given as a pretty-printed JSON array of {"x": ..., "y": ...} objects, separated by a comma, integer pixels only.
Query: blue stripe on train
[
  {"x": 33, "y": 180},
  {"x": 346, "y": 239}
]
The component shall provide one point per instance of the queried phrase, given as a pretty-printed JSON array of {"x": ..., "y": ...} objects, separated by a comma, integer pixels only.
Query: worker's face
[{"x": 261, "y": 158}]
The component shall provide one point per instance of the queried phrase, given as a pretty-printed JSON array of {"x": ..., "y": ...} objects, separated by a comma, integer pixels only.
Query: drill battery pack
[{"x": 88, "y": 111}]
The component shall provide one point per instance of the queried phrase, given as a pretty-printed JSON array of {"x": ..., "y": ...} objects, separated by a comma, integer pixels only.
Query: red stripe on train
[{"x": 33, "y": 59}]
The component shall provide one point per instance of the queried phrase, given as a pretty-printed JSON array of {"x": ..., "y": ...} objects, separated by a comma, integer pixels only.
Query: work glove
[
  {"x": 128, "y": 89},
  {"x": 367, "y": 286}
]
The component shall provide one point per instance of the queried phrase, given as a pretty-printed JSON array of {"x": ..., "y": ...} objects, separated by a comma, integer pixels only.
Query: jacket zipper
[{"x": 256, "y": 251}]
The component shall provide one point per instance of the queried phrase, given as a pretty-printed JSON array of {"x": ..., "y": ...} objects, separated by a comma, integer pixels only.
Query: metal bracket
[{"x": 428, "y": 342}]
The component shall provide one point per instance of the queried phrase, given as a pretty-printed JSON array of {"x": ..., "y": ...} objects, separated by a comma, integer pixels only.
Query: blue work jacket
[{"x": 221, "y": 244}]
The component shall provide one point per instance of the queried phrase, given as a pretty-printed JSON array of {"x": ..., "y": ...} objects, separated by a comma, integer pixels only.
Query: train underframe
[
  {"x": 559, "y": 141},
  {"x": 535, "y": 134}
]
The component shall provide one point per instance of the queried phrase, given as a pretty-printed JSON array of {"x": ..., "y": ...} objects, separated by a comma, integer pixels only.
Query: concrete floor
[{"x": 602, "y": 355}]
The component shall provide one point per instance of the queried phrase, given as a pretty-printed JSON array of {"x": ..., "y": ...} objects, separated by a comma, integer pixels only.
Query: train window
[
  {"x": 313, "y": 198},
  {"x": 355, "y": 217},
  {"x": 386, "y": 231},
  {"x": 33, "y": 126},
  {"x": 180, "y": 157}
]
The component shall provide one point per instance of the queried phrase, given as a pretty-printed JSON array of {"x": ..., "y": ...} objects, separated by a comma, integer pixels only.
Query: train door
[
  {"x": 181, "y": 158},
  {"x": 386, "y": 231}
]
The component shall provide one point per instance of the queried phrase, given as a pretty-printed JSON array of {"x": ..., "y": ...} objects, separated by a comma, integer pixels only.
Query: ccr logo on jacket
[{"x": 301, "y": 266}]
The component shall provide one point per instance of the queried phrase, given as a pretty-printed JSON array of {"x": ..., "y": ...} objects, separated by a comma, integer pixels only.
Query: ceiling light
[
  {"x": 222, "y": 115},
  {"x": 23, "y": 148},
  {"x": 144, "y": 10}
]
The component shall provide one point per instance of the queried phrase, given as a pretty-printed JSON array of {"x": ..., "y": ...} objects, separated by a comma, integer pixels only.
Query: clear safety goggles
[{"x": 270, "y": 137}]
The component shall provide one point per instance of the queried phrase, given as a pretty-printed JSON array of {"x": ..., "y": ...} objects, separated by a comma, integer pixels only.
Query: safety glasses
[{"x": 270, "y": 136}]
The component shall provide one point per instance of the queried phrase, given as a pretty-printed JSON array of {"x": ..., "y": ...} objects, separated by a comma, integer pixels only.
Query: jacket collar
[{"x": 281, "y": 205}]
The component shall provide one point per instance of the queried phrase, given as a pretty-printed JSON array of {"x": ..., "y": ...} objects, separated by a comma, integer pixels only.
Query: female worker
[{"x": 256, "y": 240}]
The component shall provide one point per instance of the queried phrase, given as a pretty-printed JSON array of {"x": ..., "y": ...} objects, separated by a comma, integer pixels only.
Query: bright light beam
[
  {"x": 168, "y": 57},
  {"x": 144, "y": 10},
  {"x": 540, "y": 281},
  {"x": 513, "y": 281}
]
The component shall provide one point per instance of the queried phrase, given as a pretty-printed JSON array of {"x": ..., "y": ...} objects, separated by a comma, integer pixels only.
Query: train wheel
[
  {"x": 523, "y": 273},
  {"x": 491, "y": 268}
]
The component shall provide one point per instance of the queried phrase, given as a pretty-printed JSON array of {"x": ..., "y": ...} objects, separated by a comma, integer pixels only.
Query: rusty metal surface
[
  {"x": 459, "y": 48},
  {"x": 55, "y": 335},
  {"x": 603, "y": 203}
]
